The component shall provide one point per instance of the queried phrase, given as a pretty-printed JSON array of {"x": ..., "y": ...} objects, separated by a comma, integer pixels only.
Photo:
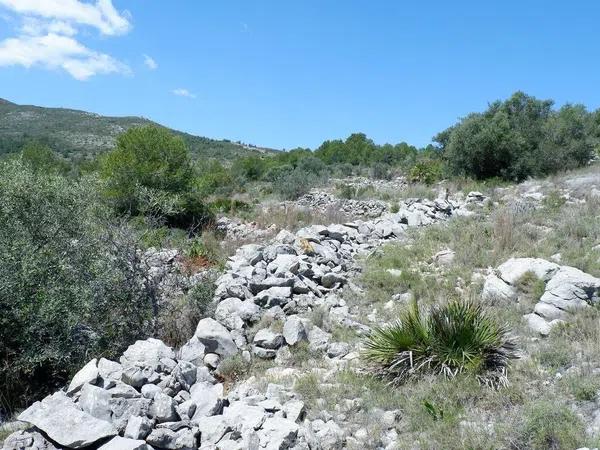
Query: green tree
[
  {"x": 41, "y": 158},
  {"x": 146, "y": 157},
  {"x": 71, "y": 282}
]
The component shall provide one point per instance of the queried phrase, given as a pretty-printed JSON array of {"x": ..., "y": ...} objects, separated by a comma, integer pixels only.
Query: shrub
[
  {"x": 40, "y": 158},
  {"x": 517, "y": 138},
  {"x": 150, "y": 157},
  {"x": 426, "y": 171},
  {"x": 381, "y": 171},
  {"x": 458, "y": 337},
  {"x": 71, "y": 282},
  {"x": 296, "y": 183},
  {"x": 179, "y": 319},
  {"x": 549, "y": 426}
]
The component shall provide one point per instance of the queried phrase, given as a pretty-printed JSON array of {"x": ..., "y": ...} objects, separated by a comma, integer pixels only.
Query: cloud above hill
[{"x": 48, "y": 36}]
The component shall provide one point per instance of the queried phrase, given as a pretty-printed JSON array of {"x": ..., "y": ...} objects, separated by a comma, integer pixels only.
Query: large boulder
[
  {"x": 267, "y": 338},
  {"x": 88, "y": 374},
  {"x": 514, "y": 268},
  {"x": 294, "y": 330},
  {"x": 63, "y": 422},
  {"x": 278, "y": 433},
  {"x": 121, "y": 443},
  {"x": 215, "y": 337},
  {"x": 148, "y": 353},
  {"x": 571, "y": 289},
  {"x": 496, "y": 290}
]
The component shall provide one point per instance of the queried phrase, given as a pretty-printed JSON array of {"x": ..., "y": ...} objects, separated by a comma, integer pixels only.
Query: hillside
[{"x": 77, "y": 134}]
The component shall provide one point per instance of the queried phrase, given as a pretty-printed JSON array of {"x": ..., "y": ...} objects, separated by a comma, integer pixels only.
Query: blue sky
[{"x": 294, "y": 73}]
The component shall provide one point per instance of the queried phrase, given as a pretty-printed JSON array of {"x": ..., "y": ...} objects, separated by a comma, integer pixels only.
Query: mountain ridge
[{"x": 78, "y": 134}]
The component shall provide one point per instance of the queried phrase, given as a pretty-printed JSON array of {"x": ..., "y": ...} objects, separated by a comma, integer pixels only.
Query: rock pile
[
  {"x": 324, "y": 201},
  {"x": 243, "y": 231},
  {"x": 155, "y": 397},
  {"x": 567, "y": 290}
]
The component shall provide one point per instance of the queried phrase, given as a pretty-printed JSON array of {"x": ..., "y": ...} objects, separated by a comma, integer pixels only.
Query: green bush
[
  {"x": 71, "y": 282},
  {"x": 517, "y": 138},
  {"x": 150, "y": 157},
  {"x": 150, "y": 173},
  {"x": 296, "y": 183},
  {"x": 40, "y": 158},
  {"x": 179, "y": 318},
  {"x": 457, "y": 337},
  {"x": 550, "y": 426},
  {"x": 426, "y": 171}
]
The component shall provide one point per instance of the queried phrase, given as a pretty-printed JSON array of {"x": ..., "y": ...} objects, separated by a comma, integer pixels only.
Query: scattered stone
[{"x": 64, "y": 423}]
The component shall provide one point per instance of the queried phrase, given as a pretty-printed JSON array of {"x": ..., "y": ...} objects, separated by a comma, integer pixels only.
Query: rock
[
  {"x": 162, "y": 408},
  {"x": 109, "y": 369},
  {"x": 121, "y": 443},
  {"x": 246, "y": 417},
  {"x": 193, "y": 351},
  {"x": 318, "y": 339},
  {"x": 138, "y": 427},
  {"x": 186, "y": 374},
  {"x": 150, "y": 390},
  {"x": 215, "y": 337},
  {"x": 284, "y": 264},
  {"x": 234, "y": 313},
  {"x": 285, "y": 237},
  {"x": 475, "y": 196},
  {"x": 496, "y": 290},
  {"x": 444, "y": 257},
  {"x": 275, "y": 296},
  {"x": 278, "y": 434},
  {"x": 514, "y": 268},
  {"x": 173, "y": 440},
  {"x": 147, "y": 353},
  {"x": 338, "y": 349},
  {"x": 570, "y": 289},
  {"x": 294, "y": 410},
  {"x": 137, "y": 376},
  {"x": 259, "y": 283},
  {"x": 539, "y": 325},
  {"x": 330, "y": 279},
  {"x": 213, "y": 428},
  {"x": 27, "y": 439},
  {"x": 294, "y": 330},
  {"x": 96, "y": 402},
  {"x": 330, "y": 435},
  {"x": 64, "y": 423},
  {"x": 88, "y": 374},
  {"x": 207, "y": 398},
  {"x": 267, "y": 338},
  {"x": 211, "y": 360}
]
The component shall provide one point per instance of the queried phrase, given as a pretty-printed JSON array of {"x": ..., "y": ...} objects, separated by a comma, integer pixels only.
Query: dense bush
[
  {"x": 150, "y": 173},
  {"x": 517, "y": 138},
  {"x": 40, "y": 158},
  {"x": 457, "y": 337},
  {"x": 71, "y": 283}
]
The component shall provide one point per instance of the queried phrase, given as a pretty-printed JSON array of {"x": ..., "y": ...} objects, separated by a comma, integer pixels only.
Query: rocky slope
[{"x": 275, "y": 303}]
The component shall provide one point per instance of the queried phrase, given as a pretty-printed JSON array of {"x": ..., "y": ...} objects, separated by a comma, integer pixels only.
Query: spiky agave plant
[{"x": 457, "y": 337}]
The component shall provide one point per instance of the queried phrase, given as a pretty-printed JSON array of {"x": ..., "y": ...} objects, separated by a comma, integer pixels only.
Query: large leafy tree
[
  {"x": 150, "y": 158},
  {"x": 520, "y": 137}
]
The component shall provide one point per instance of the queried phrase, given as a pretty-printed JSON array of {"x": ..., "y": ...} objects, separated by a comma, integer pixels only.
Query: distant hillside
[{"x": 79, "y": 134}]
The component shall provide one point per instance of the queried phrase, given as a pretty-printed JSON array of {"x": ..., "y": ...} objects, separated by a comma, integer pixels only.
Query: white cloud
[
  {"x": 47, "y": 36},
  {"x": 183, "y": 93},
  {"x": 54, "y": 51},
  {"x": 150, "y": 63},
  {"x": 101, "y": 15}
]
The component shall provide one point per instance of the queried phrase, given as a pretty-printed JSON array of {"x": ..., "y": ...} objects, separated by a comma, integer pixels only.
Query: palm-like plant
[{"x": 457, "y": 337}]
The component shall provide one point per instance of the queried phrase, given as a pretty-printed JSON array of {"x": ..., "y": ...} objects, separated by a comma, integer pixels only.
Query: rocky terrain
[{"x": 289, "y": 312}]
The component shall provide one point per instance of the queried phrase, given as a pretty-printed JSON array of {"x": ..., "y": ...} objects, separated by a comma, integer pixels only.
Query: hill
[{"x": 80, "y": 134}]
